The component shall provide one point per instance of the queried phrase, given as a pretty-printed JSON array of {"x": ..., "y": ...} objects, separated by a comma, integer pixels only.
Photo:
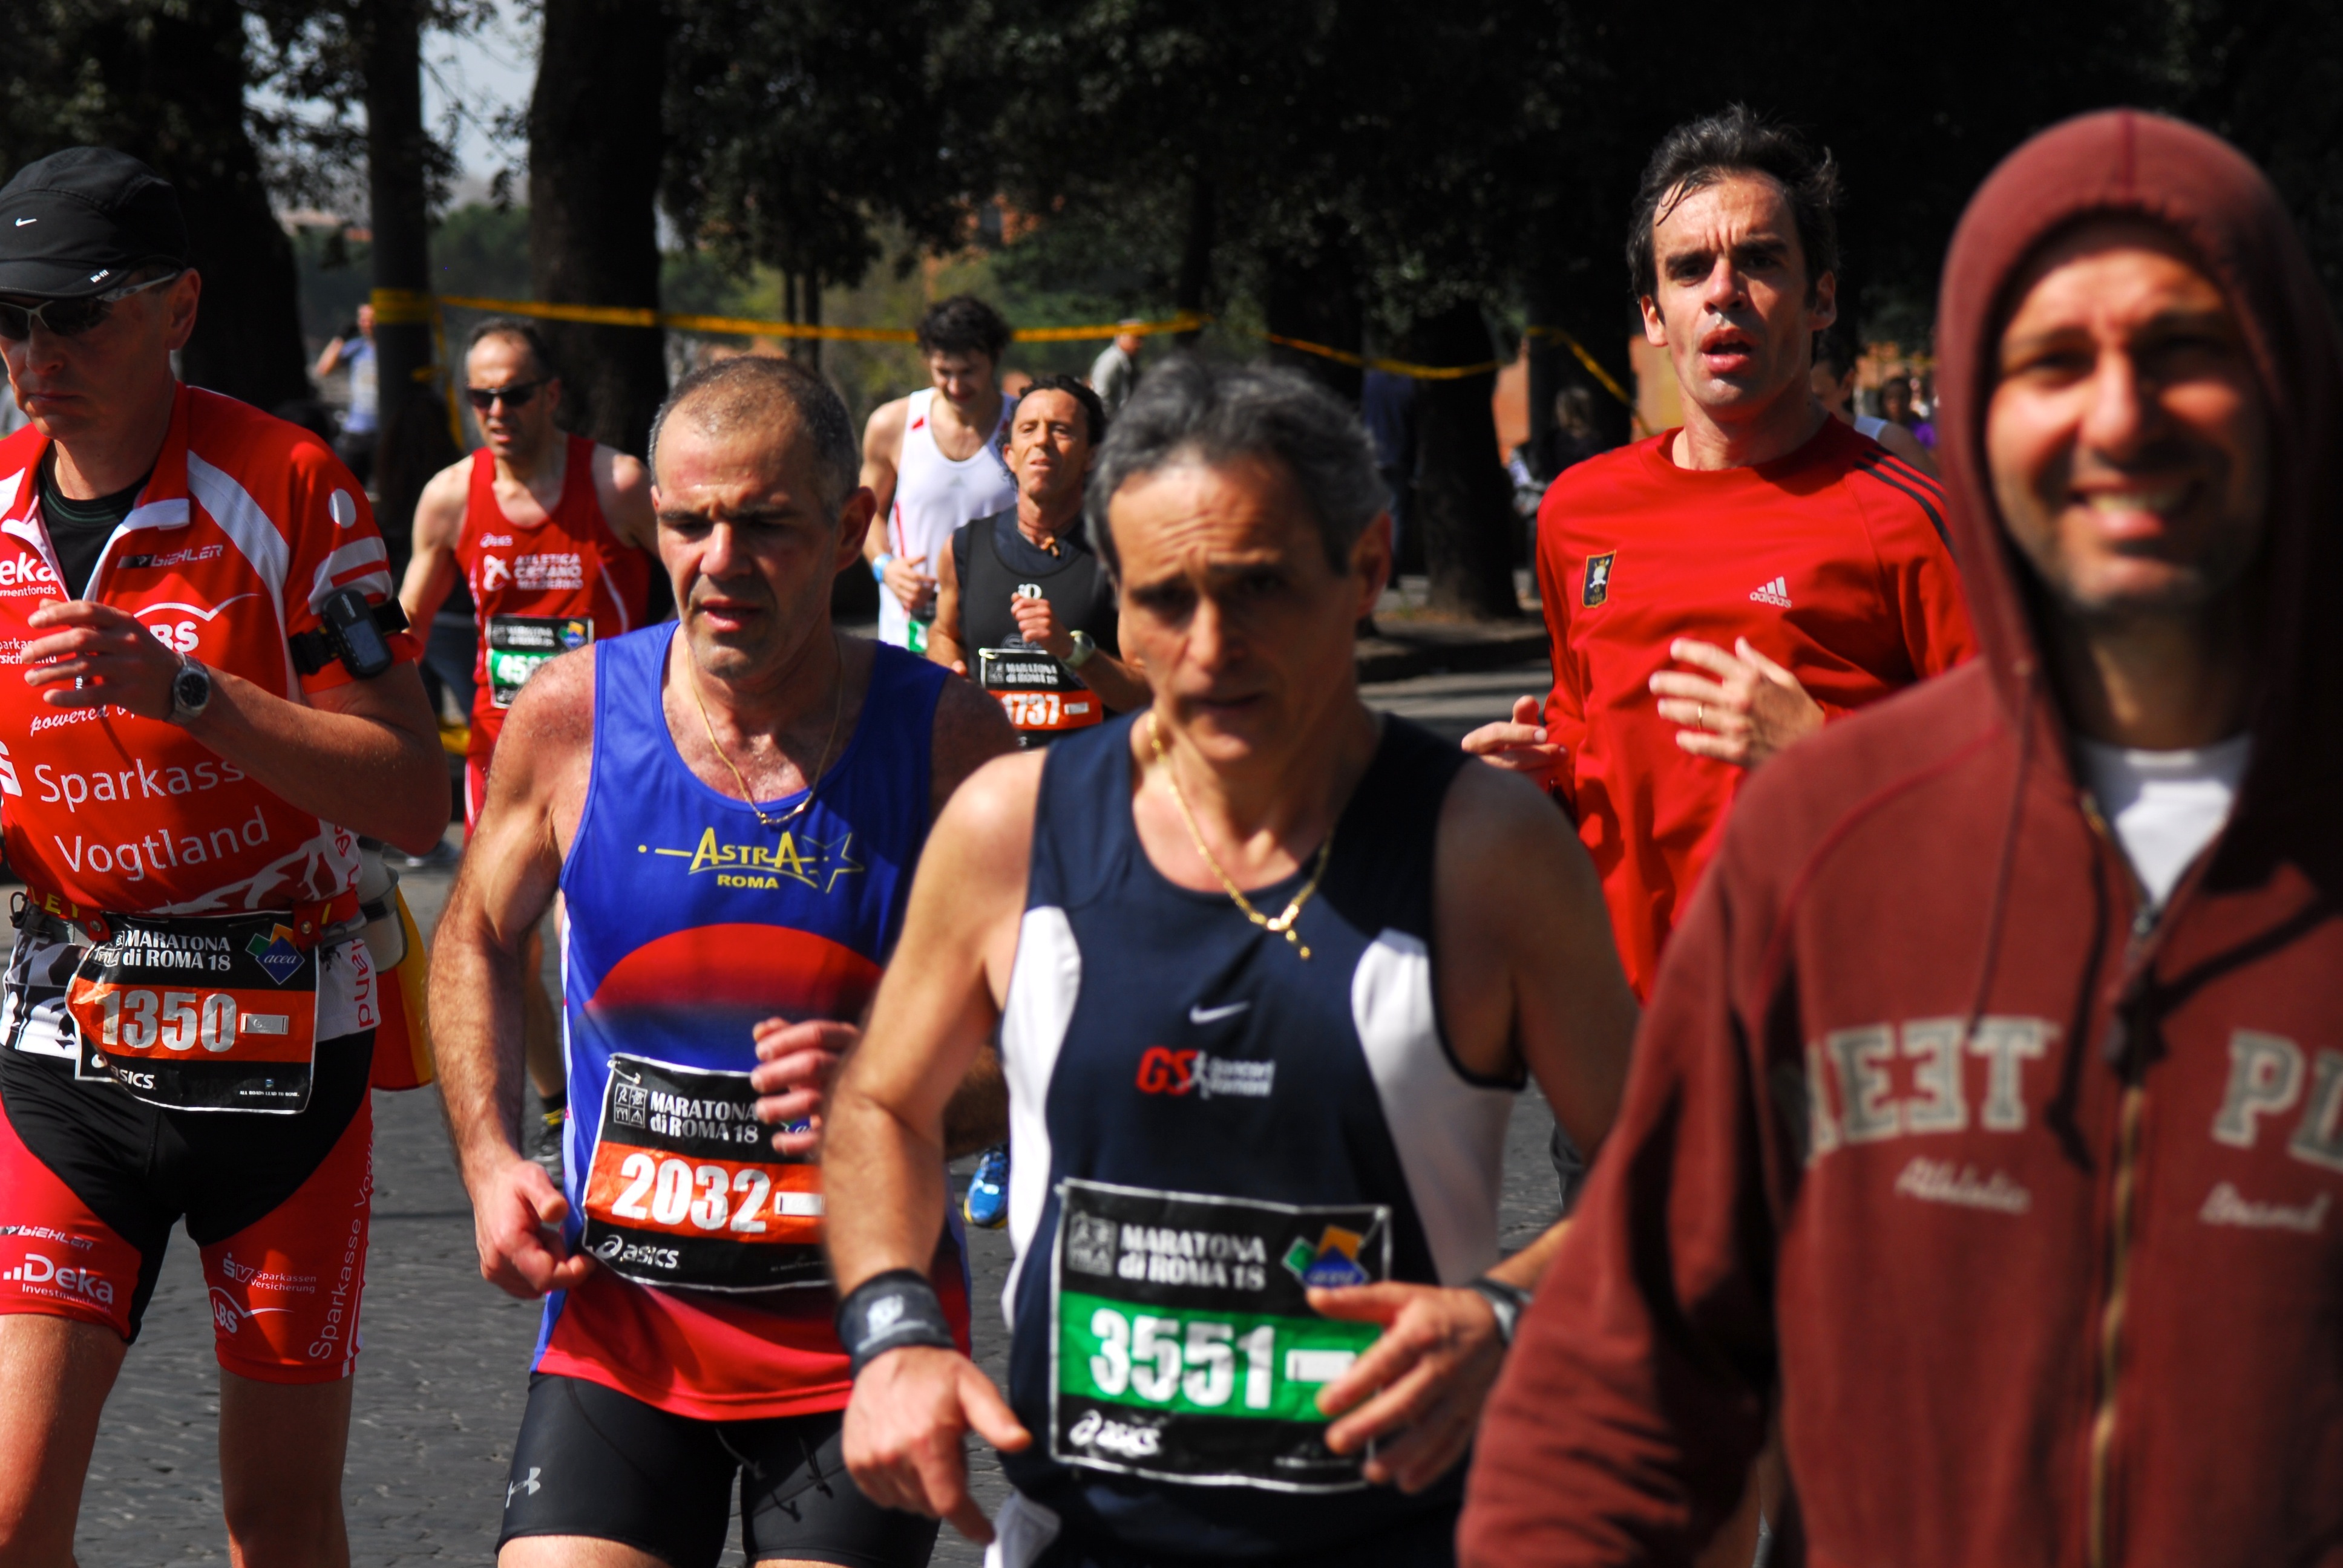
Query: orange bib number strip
[
  {"x": 1050, "y": 710},
  {"x": 142, "y": 1022},
  {"x": 651, "y": 1189}
]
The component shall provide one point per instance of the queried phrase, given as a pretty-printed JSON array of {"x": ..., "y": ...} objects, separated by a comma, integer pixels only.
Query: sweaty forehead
[
  {"x": 1737, "y": 205},
  {"x": 701, "y": 459},
  {"x": 1195, "y": 512},
  {"x": 498, "y": 355}
]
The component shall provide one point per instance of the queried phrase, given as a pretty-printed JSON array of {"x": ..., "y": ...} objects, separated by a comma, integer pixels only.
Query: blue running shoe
[{"x": 987, "y": 1204}]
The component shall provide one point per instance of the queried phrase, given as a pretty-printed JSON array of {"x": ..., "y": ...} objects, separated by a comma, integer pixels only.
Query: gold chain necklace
[
  {"x": 1282, "y": 922},
  {"x": 749, "y": 796}
]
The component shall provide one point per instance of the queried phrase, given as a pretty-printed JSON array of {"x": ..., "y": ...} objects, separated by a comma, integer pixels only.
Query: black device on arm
[{"x": 353, "y": 633}]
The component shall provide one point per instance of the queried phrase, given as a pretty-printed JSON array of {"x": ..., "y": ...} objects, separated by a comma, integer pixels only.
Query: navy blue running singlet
[
  {"x": 1207, "y": 1123},
  {"x": 689, "y": 922}
]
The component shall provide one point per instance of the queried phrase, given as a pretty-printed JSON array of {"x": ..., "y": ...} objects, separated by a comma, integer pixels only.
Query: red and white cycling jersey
[{"x": 247, "y": 524}]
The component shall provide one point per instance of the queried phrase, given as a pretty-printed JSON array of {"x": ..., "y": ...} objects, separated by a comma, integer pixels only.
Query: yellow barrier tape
[
  {"x": 757, "y": 326},
  {"x": 409, "y": 305},
  {"x": 1395, "y": 366},
  {"x": 402, "y": 306},
  {"x": 1593, "y": 369}
]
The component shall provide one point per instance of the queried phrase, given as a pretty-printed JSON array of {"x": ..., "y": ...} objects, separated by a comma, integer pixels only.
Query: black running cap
[{"x": 79, "y": 222}]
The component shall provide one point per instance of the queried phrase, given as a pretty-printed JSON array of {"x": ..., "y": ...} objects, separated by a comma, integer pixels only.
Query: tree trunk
[
  {"x": 247, "y": 338},
  {"x": 1315, "y": 297},
  {"x": 1195, "y": 284},
  {"x": 1464, "y": 502},
  {"x": 414, "y": 441},
  {"x": 594, "y": 151}
]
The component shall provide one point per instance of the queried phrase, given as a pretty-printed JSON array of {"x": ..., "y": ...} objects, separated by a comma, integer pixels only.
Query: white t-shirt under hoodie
[{"x": 2165, "y": 807}]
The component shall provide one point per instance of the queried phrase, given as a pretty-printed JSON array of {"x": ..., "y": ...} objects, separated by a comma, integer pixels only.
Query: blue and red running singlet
[{"x": 689, "y": 922}]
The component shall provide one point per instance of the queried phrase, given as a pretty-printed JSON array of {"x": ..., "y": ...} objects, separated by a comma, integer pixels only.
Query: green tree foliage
[
  {"x": 797, "y": 127},
  {"x": 165, "y": 81}
]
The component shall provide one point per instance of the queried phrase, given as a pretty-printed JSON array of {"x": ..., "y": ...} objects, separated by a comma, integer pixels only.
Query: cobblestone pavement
[{"x": 443, "y": 1377}]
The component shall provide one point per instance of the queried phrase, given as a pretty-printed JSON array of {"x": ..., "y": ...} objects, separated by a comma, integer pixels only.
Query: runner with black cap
[{"x": 215, "y": 699}]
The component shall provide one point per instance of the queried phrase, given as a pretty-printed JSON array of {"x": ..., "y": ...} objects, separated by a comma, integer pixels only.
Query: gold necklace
[
  {"x": 749, "y": 796},
  {"x": 1282, "y": 922}
]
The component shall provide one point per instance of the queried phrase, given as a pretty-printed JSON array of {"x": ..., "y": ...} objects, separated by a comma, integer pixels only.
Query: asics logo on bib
[{"x": 1163, "y": 1070}]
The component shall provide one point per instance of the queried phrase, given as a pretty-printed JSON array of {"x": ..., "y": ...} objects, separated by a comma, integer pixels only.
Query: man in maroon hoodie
[{"x": 1987, "y": 1125}]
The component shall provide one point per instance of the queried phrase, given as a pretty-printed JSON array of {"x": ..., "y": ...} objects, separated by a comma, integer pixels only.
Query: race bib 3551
[{"x": 1182, "y": 1342}]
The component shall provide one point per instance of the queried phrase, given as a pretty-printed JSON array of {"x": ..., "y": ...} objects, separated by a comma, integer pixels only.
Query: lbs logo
[{"x": 64, "y": 1279}]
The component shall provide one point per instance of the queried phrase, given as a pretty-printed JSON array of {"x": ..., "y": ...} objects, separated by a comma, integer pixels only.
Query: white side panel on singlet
[
  {"x": 1450, "y": 1133},
  {"x": 934, "y": 495},
  {"x": 1043, "y": 981}
]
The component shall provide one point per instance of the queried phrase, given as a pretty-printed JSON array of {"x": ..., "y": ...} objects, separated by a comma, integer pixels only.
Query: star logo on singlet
[{"x": 809, "y": 862}]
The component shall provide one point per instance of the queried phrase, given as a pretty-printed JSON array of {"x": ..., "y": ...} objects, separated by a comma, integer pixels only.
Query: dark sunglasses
[
  {"x": 520, "y": 395},
  {"x": 71, "y": 317}
]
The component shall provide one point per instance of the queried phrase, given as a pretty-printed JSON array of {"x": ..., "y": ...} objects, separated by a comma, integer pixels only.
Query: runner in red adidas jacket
[
  {"x": 1718, "y": 591},
  {"x": 205, "y": 710}
]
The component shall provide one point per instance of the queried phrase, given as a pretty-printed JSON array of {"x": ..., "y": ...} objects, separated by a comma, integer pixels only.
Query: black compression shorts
[{"x": 593, "y": 1462}]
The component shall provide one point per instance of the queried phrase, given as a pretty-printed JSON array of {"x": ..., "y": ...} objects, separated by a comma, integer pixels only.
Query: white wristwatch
[{"x": 1083, "y": 649}]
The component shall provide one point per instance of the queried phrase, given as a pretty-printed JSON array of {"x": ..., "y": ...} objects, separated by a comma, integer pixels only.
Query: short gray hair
[
  {"x": 759, "y": 388},
  {"x": 1185, "y": 410}
]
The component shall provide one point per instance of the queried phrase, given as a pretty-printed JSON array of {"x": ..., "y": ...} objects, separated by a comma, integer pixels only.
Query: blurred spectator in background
[
  {"x": 1387, "y": 404},
  {"x": 1895, "y": 398},
  {"x": 354, "y": 351},
  {"x": 1116, "y": 370},
  {"x": 1571, "y": 438},
  {"x": 1833, "y": 383}
]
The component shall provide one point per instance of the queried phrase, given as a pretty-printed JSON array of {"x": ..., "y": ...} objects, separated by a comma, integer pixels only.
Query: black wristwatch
[
  {"x": 191, "y": 691},
  {"x": 1506, "y": 1300}
]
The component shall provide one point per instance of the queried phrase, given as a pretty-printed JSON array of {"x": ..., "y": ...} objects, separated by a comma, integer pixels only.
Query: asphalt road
[{"x": 442, "y": 1380}]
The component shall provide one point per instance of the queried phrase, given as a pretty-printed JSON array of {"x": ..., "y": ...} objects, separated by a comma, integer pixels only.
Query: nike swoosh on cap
[
  {"x": 1200, "y": 1014},
  {"x": 23, "y": 221}
]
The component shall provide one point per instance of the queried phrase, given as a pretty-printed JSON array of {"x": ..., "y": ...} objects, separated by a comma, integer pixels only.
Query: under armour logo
[{"x": 529, "y": 1486}]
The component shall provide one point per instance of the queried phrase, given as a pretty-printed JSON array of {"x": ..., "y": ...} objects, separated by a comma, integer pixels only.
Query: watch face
[{"x": 190, "y": 688}]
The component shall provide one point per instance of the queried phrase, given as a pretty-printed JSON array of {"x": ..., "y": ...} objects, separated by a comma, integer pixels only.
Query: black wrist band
[{"x": 888, "y": 1311}]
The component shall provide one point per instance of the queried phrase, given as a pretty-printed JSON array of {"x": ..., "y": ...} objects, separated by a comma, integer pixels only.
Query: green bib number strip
[{"x": 1206, "y": 1364}]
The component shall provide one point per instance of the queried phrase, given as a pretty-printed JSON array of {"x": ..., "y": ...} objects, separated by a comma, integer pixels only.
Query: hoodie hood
[{"x": 2124, "y": 163}]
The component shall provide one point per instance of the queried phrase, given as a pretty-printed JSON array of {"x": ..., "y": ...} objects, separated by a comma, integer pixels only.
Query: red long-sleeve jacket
[
  {"x": 1832, "y": 561},
  {"x": 2022, "y": 1209}
]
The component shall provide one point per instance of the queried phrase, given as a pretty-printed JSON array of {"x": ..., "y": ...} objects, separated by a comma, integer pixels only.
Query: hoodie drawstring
[{"x": 1996, "y": 911}]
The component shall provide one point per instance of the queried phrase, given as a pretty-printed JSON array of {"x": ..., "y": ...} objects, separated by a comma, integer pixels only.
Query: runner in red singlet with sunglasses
[{"x": 548, "y": 531}]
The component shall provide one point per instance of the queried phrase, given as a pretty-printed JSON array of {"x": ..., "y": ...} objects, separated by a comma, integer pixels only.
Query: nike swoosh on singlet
[{"x": 1200, "y": 1014}]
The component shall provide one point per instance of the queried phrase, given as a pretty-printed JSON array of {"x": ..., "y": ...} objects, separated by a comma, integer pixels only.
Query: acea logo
[
  {"x": 1331, "y": 1264},
  {"x": 275, "y": 953},
  {"x": 808, "y": 862}
]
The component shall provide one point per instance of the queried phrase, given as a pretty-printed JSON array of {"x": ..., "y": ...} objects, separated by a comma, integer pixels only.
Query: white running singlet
[{"x": 934, "y": 495}]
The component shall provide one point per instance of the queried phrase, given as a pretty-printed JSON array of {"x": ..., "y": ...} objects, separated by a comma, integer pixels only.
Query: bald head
[{"x": 760, "y": 395}]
